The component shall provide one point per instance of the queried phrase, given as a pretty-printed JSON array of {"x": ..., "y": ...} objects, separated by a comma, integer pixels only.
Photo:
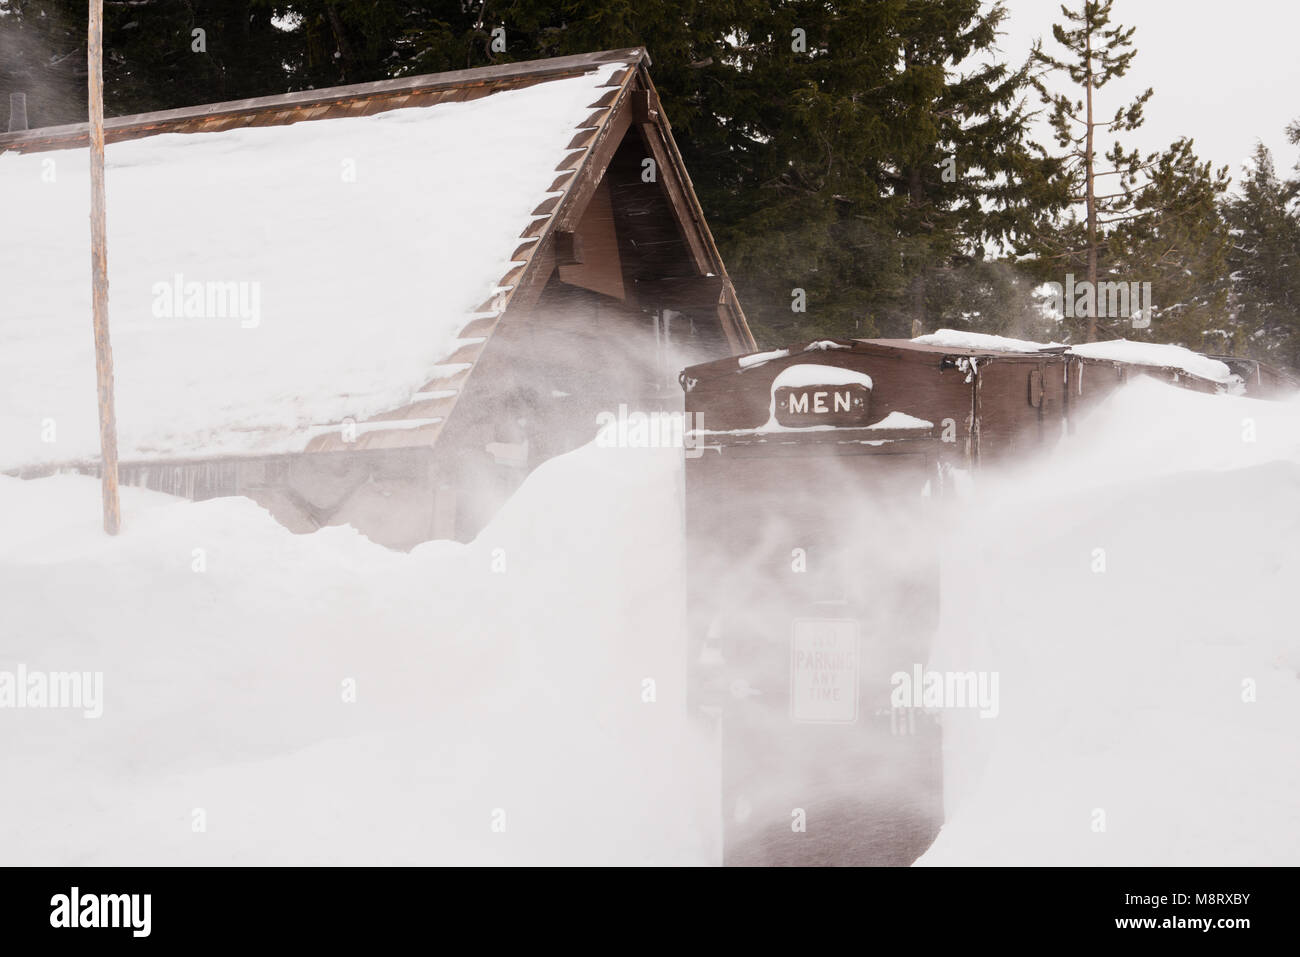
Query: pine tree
[
  {"x": 961, "y": 155},
  {"x": 990, "y": 296},
  {"x": 870, "y": 166},
  {"x": 43, "y": 54},
  {"x": 1178, "y": 241},
  {"x": 1096, "y": 54},
  {"x": 1265, "y": 261},
  {"x": 158, "y": 54}
]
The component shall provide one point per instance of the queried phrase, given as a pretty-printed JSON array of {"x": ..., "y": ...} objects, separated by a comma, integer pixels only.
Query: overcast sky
[{"x": 1225, "y": 73}]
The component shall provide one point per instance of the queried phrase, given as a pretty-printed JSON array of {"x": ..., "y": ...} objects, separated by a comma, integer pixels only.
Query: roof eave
[{"x": 75, "y": 135}]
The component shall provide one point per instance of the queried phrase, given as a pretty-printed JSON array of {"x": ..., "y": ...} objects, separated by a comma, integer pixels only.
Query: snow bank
[
  {"x": 509, "y": 674},
  {"x": 1153, "y": 430},
  {"x": 506, "y": 674},
  {"x": 1156, "y": 354},
  {"x": 1135, "y": 595},
  {"x": 345, "y": 240}
]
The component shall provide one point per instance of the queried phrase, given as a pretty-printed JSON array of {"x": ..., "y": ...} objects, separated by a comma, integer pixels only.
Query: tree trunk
[
  {"x": 1091, "y": 192},
  {"x": 916, "y": 199},
  {"x": 341, "y": 39}
]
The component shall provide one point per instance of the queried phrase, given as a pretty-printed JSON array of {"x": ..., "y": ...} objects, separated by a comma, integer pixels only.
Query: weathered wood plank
[
  {"x": 509, "y": 74},
  {"x": 675, "y": 190},
  {"x": 99, "y": 273},
  {"x": 690, "y": 292},
  {"x": 598, "y": 157},
  {"x": 568, "y": 248}
]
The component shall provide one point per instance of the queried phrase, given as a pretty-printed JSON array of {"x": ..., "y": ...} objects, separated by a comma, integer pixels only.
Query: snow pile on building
[
  {"x": 258, "y": 274},
  {"x": 1158, "y": 354},
  {"x": 519, "y": 699},
  {"x": 979, "y": 341}
]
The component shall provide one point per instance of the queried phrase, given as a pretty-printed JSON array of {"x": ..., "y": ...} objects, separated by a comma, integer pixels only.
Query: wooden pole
[{"x": 99, "y": 271}]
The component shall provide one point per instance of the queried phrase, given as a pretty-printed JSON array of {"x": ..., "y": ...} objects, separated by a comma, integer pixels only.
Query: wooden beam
[
  {"x": 533, "y": 280},
  {"x": 687, "y": 292},
  {"x": 502, "y": 75},
  {"x": 671, "y": 184},
  {"x": 568, "y": 248},
  {"x": 730, "y": 327},
  {"x": 730, "y": 313},
  {"x": 599, "y": 155},
  {"x": 643, "y": 110},
  {"x": 99, "y": 271}
]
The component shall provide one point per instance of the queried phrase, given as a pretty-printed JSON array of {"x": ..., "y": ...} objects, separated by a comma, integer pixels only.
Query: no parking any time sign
[{"x": 824, "y": 671}]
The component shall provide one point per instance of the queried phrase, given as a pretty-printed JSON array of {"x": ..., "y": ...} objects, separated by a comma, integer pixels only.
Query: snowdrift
[
  {"x": 502, "y": 710},
  {"x": 1136, "y": 596},
  {"x": 501, "y": 682}
]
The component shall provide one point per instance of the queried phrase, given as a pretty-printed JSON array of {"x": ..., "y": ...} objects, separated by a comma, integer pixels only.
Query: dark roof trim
[{"x": 528, "y": 71}]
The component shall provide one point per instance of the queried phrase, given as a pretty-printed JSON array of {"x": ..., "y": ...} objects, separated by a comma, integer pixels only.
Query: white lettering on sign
[
  {"x": 824, "y": 671},
  {"x": 818, "y": 401}
]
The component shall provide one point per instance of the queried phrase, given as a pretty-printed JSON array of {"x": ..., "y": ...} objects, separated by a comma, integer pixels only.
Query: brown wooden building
[
  {"x": 609, "y": 283},
  {"x": 977, "y": 406}
]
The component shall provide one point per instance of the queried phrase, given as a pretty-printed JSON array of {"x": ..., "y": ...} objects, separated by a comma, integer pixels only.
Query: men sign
[
  {"x": 824, "y": 671},
  {"x": 815, "y": 394},
  {"x": 842, "y": 405}
]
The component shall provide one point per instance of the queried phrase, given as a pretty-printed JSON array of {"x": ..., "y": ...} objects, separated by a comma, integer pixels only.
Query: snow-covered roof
[
  {"x": 1118, "y": 350},
  {"x": 1156, "y": 354},
  {"x": 268, "y": 282},
  {"x": 978, "y": 341}
]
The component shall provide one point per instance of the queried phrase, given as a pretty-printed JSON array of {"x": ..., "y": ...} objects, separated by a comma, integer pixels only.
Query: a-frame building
[{"x": 380, "y": 304}]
